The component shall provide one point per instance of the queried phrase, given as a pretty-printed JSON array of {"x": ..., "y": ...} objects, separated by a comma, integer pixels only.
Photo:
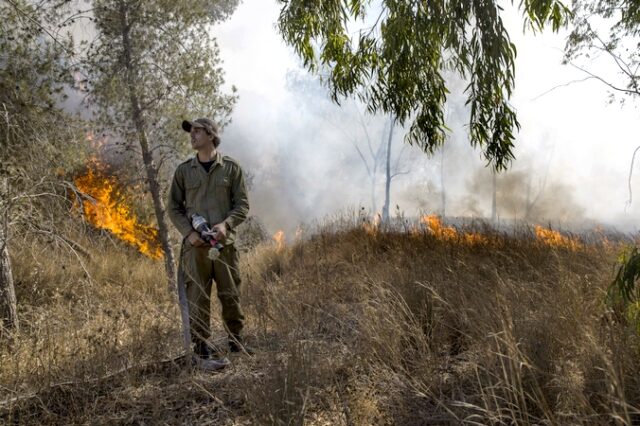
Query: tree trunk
[
  {"x": 373, "y": 195},
  {"x": 494, "y": 206},
  {"x": 8, "y": 305},
  {"x": 147, "y": 158},
  {"x": 443, "y": 193},
  {"x": 387, "y": 183}
]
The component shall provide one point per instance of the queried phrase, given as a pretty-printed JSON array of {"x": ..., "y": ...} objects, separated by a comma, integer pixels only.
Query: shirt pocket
[{"x": 191, "y": 193}]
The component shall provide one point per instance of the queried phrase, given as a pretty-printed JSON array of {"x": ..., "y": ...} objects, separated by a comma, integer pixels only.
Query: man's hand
[
  {"x": 221, "y": 231},
  {"x": 194, "y": 239}
]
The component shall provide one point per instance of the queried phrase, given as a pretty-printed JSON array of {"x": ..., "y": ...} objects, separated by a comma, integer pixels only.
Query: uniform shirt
[{"x": 219, "y": 195}]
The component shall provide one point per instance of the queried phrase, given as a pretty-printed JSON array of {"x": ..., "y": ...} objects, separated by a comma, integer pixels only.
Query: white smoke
[{"x": 301, "y": 149}]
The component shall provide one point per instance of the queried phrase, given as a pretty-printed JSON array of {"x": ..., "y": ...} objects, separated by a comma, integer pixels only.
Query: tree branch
[
  {"x": 363, "y": 159},
  {"x": 406, "y": 172},
  {"x": 39, "y": 25},
  {"x": 633, "y": 158},
  {"x": 602, "y": 80},
  {"x": 562, "y": 85}
]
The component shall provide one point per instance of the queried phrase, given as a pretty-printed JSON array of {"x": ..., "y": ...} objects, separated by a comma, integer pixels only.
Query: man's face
[{"x": 200, "y": 138}]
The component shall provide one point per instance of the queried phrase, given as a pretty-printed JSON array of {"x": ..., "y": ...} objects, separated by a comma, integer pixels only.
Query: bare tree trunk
[
  {"x": 443, "y": 193},
  {"x": 387, "y": 183},
  {"x": 147, "y": 158},
  {"x": 374, "y": 174},
  {"x": 633, "y": 159},
  {"x": 373, "y": 194},
  {"x": 8, "y": 304},
  {"x": 377, "y": 158},
  {"x": 494, "y": 204}
]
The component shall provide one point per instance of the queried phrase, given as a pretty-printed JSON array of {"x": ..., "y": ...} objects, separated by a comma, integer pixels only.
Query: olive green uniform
[{"x": 220, "y": 196}]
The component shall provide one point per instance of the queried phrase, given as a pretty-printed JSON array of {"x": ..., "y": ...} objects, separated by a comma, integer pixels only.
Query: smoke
[
  {"x": 310, "y": 158},
  {"x": 572, "y": 152},
  {"x": 523, "y": 194}
]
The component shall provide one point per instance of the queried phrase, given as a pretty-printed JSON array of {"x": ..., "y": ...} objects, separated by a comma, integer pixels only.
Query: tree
[
  {"x": 388, "y": 176},
  {"x": 34, "y": 134},
  {"x": 619, "y": 45},
  {"x": 396, "y": 63},
  {"x": 8, "y": 303},
  {"x": 377, "y": 158},
  {"x": 357, "y": 127},
  {"x": 390, "y": 173},
  {"x": 494, "y": 197},
  {"x": 152, "y": 62},
  {"x": 373, "y": 161},
  {"x": 443, "y": 190},
  {"x": 443, "y": 147}
]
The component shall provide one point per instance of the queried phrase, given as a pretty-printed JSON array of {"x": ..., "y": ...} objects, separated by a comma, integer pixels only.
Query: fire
[
  {"x": 372, "y": 227},
  {"x": 475, "y": 238},
  {"x": 448, "y": 233},
  {"x": 434, "y": 226},
  {"x": 442, "y": 232},
  {"x": 278, "y": 237},
  {"x": 108, "y": 210},
  {"x": 555, "y": 239}
]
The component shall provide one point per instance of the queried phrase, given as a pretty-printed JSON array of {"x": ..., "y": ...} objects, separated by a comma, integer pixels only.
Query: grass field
[{"x": 353, "y": 324}]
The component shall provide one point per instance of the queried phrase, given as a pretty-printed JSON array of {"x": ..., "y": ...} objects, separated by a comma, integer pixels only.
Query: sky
[{"x": 301, "y": 150}]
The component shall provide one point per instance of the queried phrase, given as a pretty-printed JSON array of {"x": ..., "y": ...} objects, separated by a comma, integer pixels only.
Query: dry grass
[{"x": 351, "y": 327}]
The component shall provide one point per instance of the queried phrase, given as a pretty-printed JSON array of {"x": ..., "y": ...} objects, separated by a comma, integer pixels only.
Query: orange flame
[
  {"x": 278, "y": 237},
  {"x": 448, "y": 233},
  {"x": 372, "y": 227},
  {"x": 434, "y": 226},
  {"x": 108, "y": 210},
  {"x": 553, "y": 238},
  {"x": 475, "y": 238}
]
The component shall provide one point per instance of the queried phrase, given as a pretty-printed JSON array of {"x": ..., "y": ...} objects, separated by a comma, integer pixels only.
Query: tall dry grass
[
  {"x": 89, "y": 306},
  {"x": 433, "y": 330},
  {"x": 351, "y": 327}
]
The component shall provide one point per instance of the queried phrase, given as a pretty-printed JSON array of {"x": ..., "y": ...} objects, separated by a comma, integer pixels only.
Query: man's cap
[{"x": 204, "y": 123}]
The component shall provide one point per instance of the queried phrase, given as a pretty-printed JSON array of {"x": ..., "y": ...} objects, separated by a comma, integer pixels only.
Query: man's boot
[
  {"x": 236, "y": 344},
  {"x": 202, "y": 350},
  {"x": 208, "y": 359}
]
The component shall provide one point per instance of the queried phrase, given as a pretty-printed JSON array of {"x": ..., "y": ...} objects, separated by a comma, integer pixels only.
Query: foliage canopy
[
  {"x": 612, "y": 29},
  {"x": 165, "y": 50},
  {"x": 396, "y": 63},
  {"x": 34, "y": 132}
]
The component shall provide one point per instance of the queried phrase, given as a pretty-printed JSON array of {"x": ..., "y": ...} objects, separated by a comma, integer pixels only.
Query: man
[{"x": 212, "y": 186}]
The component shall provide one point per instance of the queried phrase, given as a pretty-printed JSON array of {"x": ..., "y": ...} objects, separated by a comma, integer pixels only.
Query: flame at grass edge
[
  {"x": 553, "y": 238},
  {"x": 278, "y": 237},
  {"x": 435, "y": 227},
  {"x": 108, "y": 210}
]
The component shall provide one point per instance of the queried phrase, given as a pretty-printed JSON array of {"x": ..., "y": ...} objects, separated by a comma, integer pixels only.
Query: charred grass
[{"x": 351, "y": 327}]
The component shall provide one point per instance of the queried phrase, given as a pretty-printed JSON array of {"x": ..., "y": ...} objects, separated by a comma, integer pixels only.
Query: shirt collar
[{"x": 217, "y": 159}]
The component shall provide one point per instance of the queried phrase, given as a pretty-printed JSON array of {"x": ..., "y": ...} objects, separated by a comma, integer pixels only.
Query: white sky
[{"x": 290, "y": 152}]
